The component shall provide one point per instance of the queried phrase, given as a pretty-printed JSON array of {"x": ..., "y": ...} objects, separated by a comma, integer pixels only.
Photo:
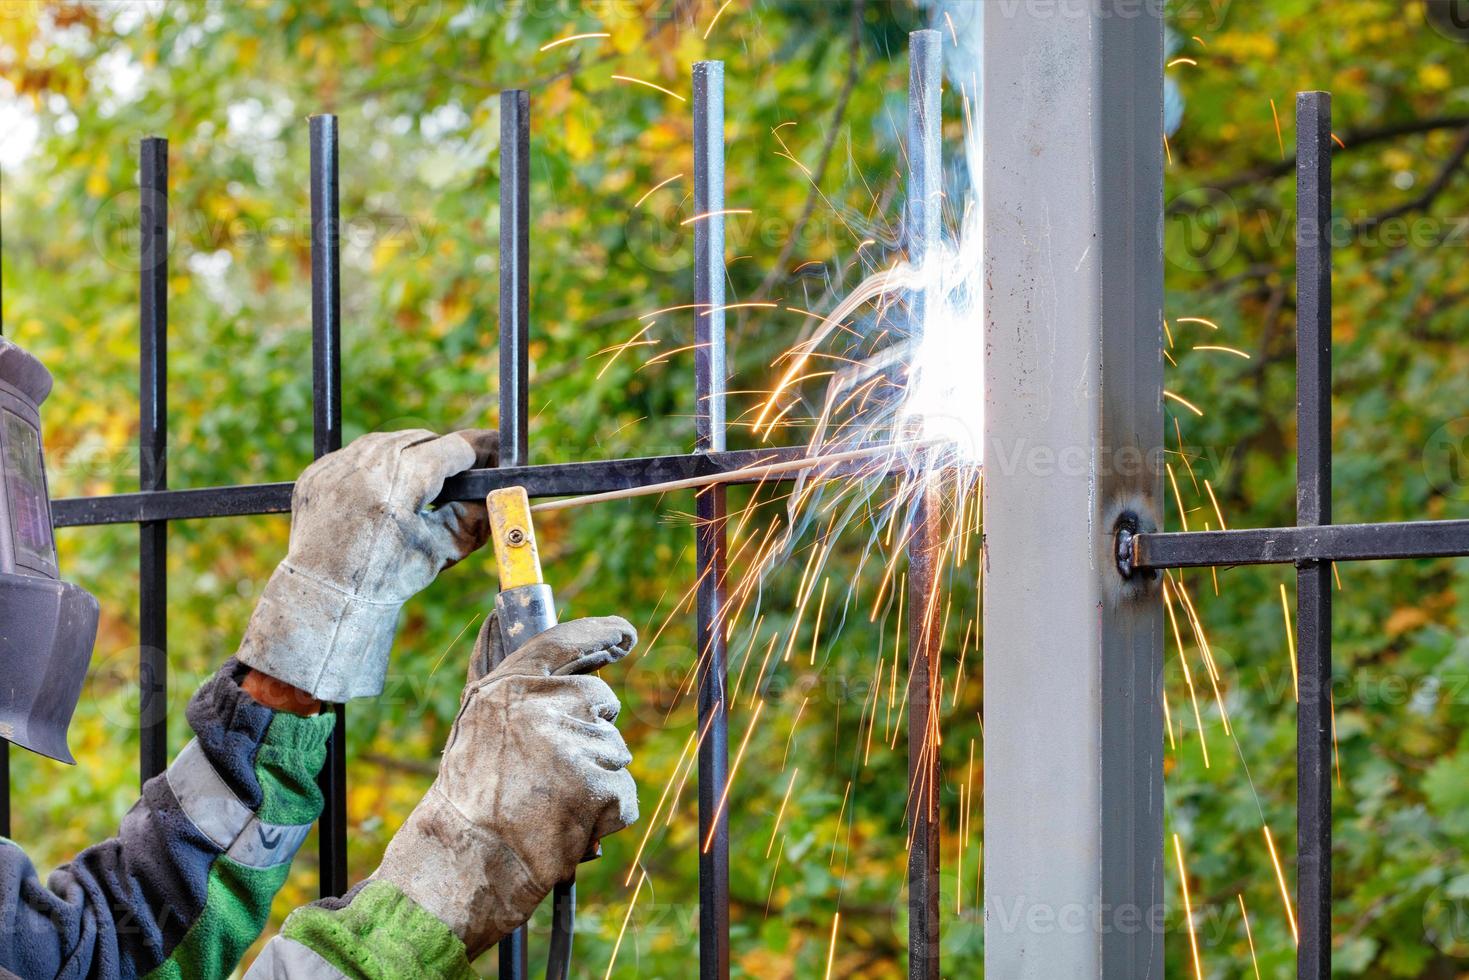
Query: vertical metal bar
[
  {"x": 326, "y": 427},
  {"x": 152, "y": 457},
  {"x": 925, "y": 201},
  {"x": 514, "y": 338},
  {"x": 1073, "y": 197},
  {"x": 1313, "y": 507},
  {"x": 710, "y": 545},
  {"x": 514, "y": 275}
]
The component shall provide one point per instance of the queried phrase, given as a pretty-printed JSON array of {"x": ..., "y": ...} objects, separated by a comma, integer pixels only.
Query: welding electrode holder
[{"x": 526, "y": 608}]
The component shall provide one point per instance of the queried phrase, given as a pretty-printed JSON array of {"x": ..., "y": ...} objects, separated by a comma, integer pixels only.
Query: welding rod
[{"x": 746, "y": 474}]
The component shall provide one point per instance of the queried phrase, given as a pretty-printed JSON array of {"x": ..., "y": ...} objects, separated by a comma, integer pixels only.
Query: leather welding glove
[
  {"x": 534, "y": 772},
  {"x": 364, "y": 539}
]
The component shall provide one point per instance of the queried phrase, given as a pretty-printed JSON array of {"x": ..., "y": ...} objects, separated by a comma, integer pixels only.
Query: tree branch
[
  {"x": 777, "y": 273},
  {"x": 1354, "y": 140},
  {"x": 1430, "y": 193}
]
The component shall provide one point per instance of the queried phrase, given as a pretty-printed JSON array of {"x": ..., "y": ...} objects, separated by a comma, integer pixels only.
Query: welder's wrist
[
  {"x": 312, "y": 635},
  {"x": 465, "y": 875},
  {"x": 277, "y": 695}
]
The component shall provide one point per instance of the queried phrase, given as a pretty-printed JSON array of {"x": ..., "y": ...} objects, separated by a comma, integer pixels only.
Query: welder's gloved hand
[
  {"x": 533, "y": 773},
  {"x": 364, "y": 539}
]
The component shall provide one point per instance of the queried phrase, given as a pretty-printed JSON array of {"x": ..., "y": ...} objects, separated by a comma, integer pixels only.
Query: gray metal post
[{"x": 1073, "y": 187}]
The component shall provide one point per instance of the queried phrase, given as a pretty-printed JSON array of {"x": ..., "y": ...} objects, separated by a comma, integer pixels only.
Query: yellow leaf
[
  {"x": 1403, "y": 619},
  {"x": 626, "y": 30},
  {"x": 1434, "y": 77},
  {"x": 578, "y": 137}
]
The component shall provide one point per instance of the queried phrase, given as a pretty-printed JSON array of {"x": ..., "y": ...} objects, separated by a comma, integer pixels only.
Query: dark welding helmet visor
[{"x": 47, "y": 626}]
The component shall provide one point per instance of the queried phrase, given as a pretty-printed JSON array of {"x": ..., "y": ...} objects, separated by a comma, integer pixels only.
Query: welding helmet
[{"x": 47, "y": 626}]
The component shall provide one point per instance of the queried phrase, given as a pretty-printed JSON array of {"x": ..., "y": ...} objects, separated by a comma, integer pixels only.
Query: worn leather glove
[
  {"x": 363, "y": 541},
  {"x": 533, "y": 773}
]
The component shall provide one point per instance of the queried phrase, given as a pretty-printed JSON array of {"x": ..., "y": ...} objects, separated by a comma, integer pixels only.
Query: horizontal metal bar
[
  {"x": 1281, "y": 545},
  {"x": 546, "y": 480}
]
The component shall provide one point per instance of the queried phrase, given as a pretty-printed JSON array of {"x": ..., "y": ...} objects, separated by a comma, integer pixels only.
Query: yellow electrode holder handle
[{"x": 514, "y": 537}]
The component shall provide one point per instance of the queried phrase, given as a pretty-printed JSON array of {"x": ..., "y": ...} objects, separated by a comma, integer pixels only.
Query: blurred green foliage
[{"x": 416, "y": 88}]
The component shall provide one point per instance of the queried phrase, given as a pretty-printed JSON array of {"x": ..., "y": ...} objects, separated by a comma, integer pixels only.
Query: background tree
[{"x": 416, "y": 88}]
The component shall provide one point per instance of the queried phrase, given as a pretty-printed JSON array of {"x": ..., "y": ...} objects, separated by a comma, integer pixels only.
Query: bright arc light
[{"x": 945, "y": 397}]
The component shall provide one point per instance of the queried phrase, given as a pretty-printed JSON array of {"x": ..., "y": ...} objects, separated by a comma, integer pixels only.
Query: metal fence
[
  {"x": 155, "y": 504},
  {"x": 1314, "y": 544}
]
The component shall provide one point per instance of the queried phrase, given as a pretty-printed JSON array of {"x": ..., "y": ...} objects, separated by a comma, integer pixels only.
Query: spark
[
  {"x": 796, "y": 309},
  {"x": 739, "y": 757},
  {"x": 740, "y": 306},
  {"x": 1177, "y": 495},
  {"x": 1215, "y": 501},
  {"x": 633, "y": 341},
  {"x": 1198, "y": 319},
  {"x": 816, "y": 625},
  {"x": 1278, "y": 138},
  {"x": 625, "y": 920},
  {"x": 780, "y": 815},
  {"x": 639, "y": 81},
  {"x": 1182, "y": 61},
  {"x": 660, "y": 358},
  {"x": 1290, "y": 639},
  {"x": 1250, "y": 936},
  {"x": 671, "y": 309},
  {"x": 832, "y": 949},
  {"x": 837, "y": 833},
  {"x": 773, "y": 873},
  {"x": 655, "y": 187},
  {"x": 574, "y": 37},
  {"x": 952, "y": 33},
  {"x": 1335, "y": 747},
  {"x": 714, "y": 214},
  {"x": 437, "y": 664},
  {"x": 1290, "y": 913},
  {"x": 804, "y": 169},
  {"x": 717, "y": 14},
  {"x": 690, "y": 743},
  {"x": 1184, "y": 402},
  {"x": 1188, "y": 910},
  {"x": 1187, "y": 675},
  {"x": 1337, "y": 140},
  {"x": 1228, "y": 350}
]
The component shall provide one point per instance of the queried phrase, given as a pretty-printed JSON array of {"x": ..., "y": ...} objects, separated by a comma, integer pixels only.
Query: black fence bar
[
  {"x": 1284, "y": 545},
  {"x": 152, "y": 457},
  {"x": 326, "y": 427},
  {"x": 925, "y": 199},
  {"x": 514, "y": 360},
  {"x": 1313, "y": 508},
  {"x": 710, "y": 544},
  {"x": 544, "y": 480}
]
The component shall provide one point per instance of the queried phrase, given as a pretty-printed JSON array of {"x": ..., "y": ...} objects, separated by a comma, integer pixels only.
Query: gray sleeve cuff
[{"x": 311, "y": 635}]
